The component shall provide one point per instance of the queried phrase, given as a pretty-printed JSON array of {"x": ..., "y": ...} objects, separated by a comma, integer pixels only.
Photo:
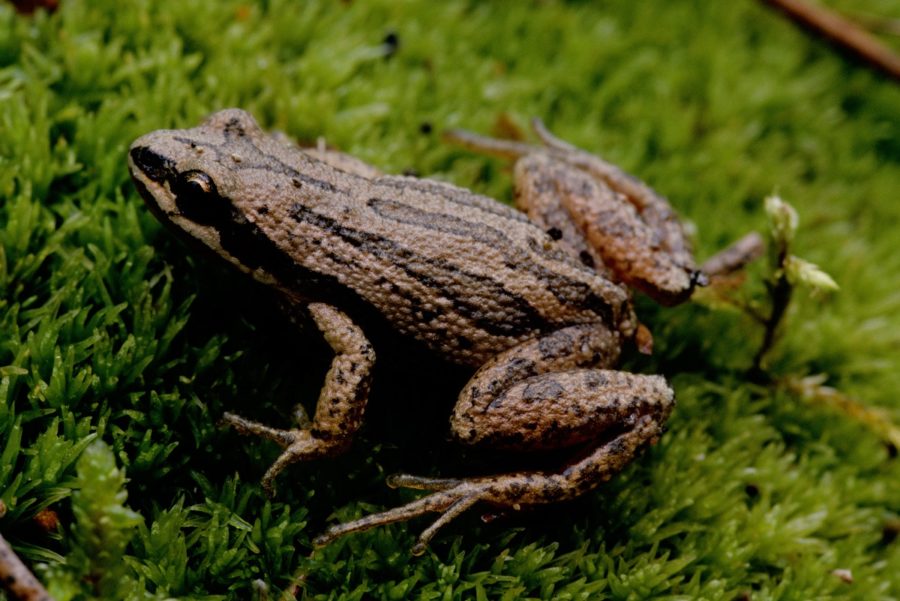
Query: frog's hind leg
[
  {"x": 341, "y": 402},
  {"x": 545, "y": 393},
  {"x": 622, "y": 224},
  {"x": 636, "y": 250}
]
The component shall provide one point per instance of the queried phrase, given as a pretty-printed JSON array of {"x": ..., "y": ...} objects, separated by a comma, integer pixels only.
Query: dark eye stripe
[{"x": 155, "y": 166}]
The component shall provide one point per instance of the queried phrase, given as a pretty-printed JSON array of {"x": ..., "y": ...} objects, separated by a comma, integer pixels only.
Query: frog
[{"x": 535, "y": 301}]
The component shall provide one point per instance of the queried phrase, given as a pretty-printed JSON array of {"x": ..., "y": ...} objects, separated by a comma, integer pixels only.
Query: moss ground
[{"x": 110, "y": 331}]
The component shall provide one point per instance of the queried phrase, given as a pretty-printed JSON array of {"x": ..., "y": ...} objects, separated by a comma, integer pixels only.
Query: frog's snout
[{"x": 153, "y": 165}]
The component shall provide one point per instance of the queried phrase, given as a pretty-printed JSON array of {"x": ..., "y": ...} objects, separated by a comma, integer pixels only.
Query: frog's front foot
[
  {"x": 298, "y": 445},
  {"x": 341, "y": 402},
  {"x": 451, "y": 497}
]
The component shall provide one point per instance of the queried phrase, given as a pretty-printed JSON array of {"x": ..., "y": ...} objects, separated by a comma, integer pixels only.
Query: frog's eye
[{"x": 198, "y": 199}]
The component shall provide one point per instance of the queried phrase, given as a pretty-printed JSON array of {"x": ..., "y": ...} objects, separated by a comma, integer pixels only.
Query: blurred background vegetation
[{"x": 119, "y": 351}]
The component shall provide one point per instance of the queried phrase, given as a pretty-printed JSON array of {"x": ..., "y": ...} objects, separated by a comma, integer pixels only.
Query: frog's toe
[
  {"x": 421, "y": 482},
  {"x": 299, "y": 445},
  {"x": 450, "y": 502},
  {"x": 548, "y": 139},
  {"x": 249, "y": 427}
]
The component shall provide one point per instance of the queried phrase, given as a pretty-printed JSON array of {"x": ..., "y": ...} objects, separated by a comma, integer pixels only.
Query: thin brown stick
[
  {"x": 18, "y": 582},
  {"x": 841, "y": 31},
  {"x": 781, "y": 291}
]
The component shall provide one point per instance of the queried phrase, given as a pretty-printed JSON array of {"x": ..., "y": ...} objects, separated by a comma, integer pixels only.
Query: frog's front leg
[
  {"x": 546, "y": 393},
  {"x": 611, "y": 220},
  {"x": 341, "y": 403}
]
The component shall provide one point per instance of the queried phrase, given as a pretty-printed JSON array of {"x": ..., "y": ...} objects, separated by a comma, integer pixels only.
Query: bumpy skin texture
[
  {"x": 617, "y": 221},
  {"x": 475, "y": 281}
]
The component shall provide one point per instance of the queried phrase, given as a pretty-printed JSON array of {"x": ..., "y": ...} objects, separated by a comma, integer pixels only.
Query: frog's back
[{"x": 462, "y": 273}]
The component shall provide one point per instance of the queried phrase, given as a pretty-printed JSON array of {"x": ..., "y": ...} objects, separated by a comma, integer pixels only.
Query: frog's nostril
[{"x": 155, "y": 166}]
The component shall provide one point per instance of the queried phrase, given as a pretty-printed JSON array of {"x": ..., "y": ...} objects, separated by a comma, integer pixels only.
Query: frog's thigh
[
  {"x": 565, "y": 409},
  {"x": 566, "y": 349},
  {"x": 633, "y": 250},
  {"x": 341, "y": 403}
]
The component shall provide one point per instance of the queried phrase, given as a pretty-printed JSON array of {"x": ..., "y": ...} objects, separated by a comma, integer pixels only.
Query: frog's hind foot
[{"x": 451, "y": 497}]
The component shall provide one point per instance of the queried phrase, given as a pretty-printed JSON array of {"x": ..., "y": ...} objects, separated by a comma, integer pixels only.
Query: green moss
[{"x": 110, "y": 331}]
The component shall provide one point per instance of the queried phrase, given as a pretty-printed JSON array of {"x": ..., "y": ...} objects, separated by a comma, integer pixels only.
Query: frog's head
[
  {"x": 187, "y": 177},
  {"x": 201, "y": 182}
]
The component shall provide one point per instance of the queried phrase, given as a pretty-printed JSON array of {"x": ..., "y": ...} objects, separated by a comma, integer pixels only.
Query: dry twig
[
  {"x": 843, "y": 32},
  {"x": 18, "y": 582}
]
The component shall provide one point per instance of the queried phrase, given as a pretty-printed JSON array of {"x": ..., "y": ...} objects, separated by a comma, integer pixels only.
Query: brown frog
[{"x": 535, "y": 303}]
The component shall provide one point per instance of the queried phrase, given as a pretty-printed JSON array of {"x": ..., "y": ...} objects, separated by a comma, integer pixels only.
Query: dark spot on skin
[
  {"x": 234, "y": 127},
  {"x": 426, "y": 317},
  {"x": 552, "y": 491},
  {"x": 519, "y": 368},
  {"x": 558, "y": 345},
  {"x": 586, "y": 259},
  {"x": 544, "y": 389},
  {"x": 594, "y": 380},
  {"x": 617, "y": 447},
  {"x": 555, "y": 233}
]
